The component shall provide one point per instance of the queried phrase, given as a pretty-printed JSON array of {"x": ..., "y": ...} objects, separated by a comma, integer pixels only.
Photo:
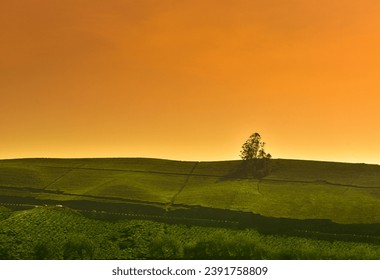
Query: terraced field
[
  {"x": 135, "y": 208},
  {"x": 341, "y": 192}
]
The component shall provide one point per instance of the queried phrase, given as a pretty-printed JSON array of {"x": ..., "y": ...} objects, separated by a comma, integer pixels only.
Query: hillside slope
[{"x": 341, "y": 192}]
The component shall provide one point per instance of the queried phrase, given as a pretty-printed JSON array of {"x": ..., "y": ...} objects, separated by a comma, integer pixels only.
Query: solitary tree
[
  {"x": 254, "y": 156},
  {"x": 253, "y": 148}
]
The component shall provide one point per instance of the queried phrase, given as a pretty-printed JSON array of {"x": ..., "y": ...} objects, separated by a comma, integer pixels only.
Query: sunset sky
[{"x": 190, "y": 79}]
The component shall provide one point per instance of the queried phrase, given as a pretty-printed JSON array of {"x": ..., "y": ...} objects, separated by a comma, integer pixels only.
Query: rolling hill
[{"x": 341, "y": 192}]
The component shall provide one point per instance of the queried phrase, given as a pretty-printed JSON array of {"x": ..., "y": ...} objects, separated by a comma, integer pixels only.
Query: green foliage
[
  {"x": 78, "y": 247},
  {"x": 5, "y": 247},
  {"x": 165, "y": 247},
  {"x": 56, "y": 233},
  {"x": 4, "y": 213},
  {"x": 226, "y": 244},
  {"x": 45, "y": 250}
]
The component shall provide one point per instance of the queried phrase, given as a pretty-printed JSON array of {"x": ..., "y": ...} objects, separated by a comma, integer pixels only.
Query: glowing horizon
[{"x": 190, "y": 80}]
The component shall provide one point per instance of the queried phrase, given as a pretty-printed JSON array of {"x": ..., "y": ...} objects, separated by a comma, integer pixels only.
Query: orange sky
[{"x": 190, "y": 79}]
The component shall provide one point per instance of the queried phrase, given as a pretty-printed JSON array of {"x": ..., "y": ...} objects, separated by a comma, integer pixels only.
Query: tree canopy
[
  {"x": 255, "y": 159},
  {"x": 253, "y": 148}
]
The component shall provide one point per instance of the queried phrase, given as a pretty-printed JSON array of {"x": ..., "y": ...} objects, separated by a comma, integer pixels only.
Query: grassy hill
[{"x": 341, "y": 192}]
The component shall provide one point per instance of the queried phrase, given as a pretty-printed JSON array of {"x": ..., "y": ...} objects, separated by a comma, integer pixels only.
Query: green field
[
  {"x": 61, "y": 233},
  {"x": 312, "y": 203},
  {"x": 340, "y": 192}
]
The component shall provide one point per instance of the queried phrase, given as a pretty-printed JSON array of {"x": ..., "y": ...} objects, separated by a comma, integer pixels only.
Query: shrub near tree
[{"x": 255, "y": 159}]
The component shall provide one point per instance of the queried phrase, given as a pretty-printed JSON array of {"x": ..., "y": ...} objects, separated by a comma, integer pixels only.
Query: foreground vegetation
[{"x": 61, "y": 233}]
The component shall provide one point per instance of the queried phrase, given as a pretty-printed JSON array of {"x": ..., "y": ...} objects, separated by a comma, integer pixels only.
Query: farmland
[
  {"x": 61, "y": 233},
  {"x": 306, "y": 202}
]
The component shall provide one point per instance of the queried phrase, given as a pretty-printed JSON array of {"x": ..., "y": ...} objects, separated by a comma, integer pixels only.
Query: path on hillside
[
  {"x": 184, "y": 185},
  {"x": 57, "y": 179}
]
